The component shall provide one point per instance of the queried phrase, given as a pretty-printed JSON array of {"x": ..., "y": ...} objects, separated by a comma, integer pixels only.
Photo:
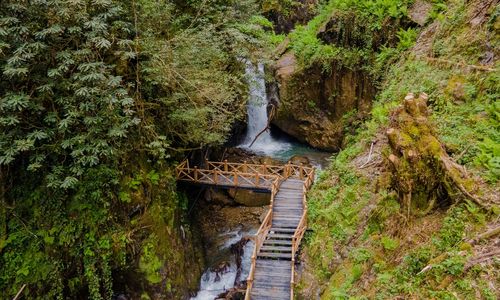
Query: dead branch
[
  {"x": 485, "y": 257},
  {"x": 369, "y": 156},
  {"x": 271, "y": 115},
  {"x": 486, "y": 235},
  {"x": 20, "y": 292}
]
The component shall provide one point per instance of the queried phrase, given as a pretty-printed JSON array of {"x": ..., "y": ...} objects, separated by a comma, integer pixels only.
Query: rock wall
[
  {"x": 312, "y": 104},
  {"x": 285, "y": 17},
  {"x": 316, "y": 103}
]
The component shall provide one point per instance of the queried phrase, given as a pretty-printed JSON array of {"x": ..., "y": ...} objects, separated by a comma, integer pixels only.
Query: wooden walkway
[{"x": 278, "y": 238}]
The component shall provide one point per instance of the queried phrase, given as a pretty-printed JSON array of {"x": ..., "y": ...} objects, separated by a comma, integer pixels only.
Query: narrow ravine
[
  {"x": 221, "y": 272},
  {"x": 272, "y": 143}
]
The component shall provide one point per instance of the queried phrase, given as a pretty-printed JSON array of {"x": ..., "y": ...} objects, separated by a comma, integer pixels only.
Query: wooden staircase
[
  {"x": 273, "y": 268},
  {"x": 276, "y": 242}
]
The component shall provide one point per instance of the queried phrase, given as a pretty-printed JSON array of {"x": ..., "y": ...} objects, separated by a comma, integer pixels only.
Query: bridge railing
[
  {"x": 261, "y": 176},
  {"x": 284, "y": 171},
  {"x": 301, "y": 228},
  {"x": 217, "y": 176},
  {"x": 260, "y": 237}
]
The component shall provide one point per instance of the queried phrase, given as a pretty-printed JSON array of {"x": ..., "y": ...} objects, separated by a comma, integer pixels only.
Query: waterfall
[{"x": 257, "y": 114}]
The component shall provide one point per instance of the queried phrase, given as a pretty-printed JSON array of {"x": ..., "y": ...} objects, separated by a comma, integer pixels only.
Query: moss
[{"x": 149, "y": 263}]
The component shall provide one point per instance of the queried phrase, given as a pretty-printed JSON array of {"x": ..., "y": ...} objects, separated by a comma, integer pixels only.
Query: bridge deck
[
  {"x": 278, "y": 238},
  {"x": 273, "y": 268}
]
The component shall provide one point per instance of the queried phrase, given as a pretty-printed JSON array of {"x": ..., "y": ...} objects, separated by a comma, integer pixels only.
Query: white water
[
  {"x": 257, "y": 115},
  {"x": 279, "y": 148},
  {"x": 209, "y": 287}
]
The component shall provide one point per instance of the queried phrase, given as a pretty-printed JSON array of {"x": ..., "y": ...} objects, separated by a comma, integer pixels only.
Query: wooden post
[
  {"x": 287, "y": 169},
  {"x": 235, "y": 178},
  {"x": 244, "y": 166},
  {"x": 225, "y": 165},
  {"x": 215, "y": 176},
  {"x": 301, "y": 169},
  {"x": 257, "y": 179},
  {"x": 195, "y": 173},
  {"x": 264, "y": 169}
]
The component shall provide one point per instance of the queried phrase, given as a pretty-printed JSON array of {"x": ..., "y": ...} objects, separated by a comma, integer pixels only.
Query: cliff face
[
  {"x": 313, "y": 104},
  {"x": 318, "y": 98},
  {"x": 286, "y": 16}
]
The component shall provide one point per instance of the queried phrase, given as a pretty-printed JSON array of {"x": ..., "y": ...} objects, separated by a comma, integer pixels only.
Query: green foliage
[
  {"x": 363, "y": 20},
  {"x": 149, "y": 263},
  {"x": 407, "y": 38},
  {"x": 489, "y": 157},
  {"x": 91, "y": 92},
  {"x": 388, "y": 243}
]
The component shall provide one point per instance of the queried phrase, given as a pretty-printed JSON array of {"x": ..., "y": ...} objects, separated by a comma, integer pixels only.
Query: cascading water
[
  {"x": 278, "y": 148},
  {"x": 212, "y": 283},
  {"x": 257, "y": 115}
]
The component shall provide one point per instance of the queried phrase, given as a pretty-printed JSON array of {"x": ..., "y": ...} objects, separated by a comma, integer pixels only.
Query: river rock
[
  {"x": 250, "y": 198},
  {"x": 218, "y": 197},
  {"x": 300, "y": 160}
]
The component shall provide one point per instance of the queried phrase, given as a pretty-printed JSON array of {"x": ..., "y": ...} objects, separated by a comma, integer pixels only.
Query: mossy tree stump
[{"x": 423, "y": 173}]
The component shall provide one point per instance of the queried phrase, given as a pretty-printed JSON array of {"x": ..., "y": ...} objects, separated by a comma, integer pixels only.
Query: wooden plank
[
  {"x": 277, "y": 242},
  {"x": 283, "y": 230},
  {"x": 275, "y": 249},
  {"x": 287, "y": 256},
  {"x": 274, "y": 264},
  {"x": 279, "y": 236},
  {"x": 277, "y": 284},
  {"x": 263, "y": 294}
]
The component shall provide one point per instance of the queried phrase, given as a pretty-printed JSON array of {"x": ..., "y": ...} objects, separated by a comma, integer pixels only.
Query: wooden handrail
[
  {"x": 301, "y": 228},
  {"x": 284, "y": 171},
  {"x": 260, "y": 236},
  {"x": 260, "y": 176}
]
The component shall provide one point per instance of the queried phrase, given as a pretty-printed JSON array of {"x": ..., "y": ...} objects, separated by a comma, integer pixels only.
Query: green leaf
[{"x": 69, "y": 182}]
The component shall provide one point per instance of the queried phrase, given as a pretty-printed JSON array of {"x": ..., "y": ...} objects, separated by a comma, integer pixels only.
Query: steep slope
[{"x": 409, "y": 207}]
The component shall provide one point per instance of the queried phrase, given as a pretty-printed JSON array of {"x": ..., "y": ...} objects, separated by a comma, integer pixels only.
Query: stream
[{"x": 275, "y": 145}]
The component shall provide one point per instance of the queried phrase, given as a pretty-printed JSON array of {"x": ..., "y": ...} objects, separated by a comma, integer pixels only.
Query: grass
[{"x": 387, "y": 259}]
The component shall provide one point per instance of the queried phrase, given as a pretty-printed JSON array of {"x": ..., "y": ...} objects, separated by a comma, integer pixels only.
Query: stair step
[
  {"x": 283, "y": 230},
  {"x": 275, "y": 255},
  {"x": 276, "y": 286},
  {"x": 275, "y": 249},
  {"x": 265, "y": 294},
  {"x": 280, "y": 236},
  {"x": 298, "y": 210},
  {"x": 277, "y": 242},
  {"x": 287, "y": 217}
]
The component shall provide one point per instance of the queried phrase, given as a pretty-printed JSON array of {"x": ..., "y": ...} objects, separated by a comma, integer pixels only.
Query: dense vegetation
[
  {"x": 97, "y": 99},
  {"x": 366, "y": 241},
  {"x": 100, "y": 98}
]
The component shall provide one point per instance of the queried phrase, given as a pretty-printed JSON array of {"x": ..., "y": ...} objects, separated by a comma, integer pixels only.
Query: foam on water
[
  {"x": 210, "y": 288},
  {"x": 278, "y": 148}
]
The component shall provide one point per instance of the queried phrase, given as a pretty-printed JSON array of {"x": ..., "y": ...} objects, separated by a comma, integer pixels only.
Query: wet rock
[
  {"x": 220, "y": 269},
  {"x": 218, "y": 197},
  {"x": 312, "y": 104},
  {"x": 250, "y": 198},
  {"x": 300, "y": 160}
]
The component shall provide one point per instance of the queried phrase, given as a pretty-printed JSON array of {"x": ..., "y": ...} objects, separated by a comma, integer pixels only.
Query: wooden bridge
[{"x": 272, "y": 271}]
